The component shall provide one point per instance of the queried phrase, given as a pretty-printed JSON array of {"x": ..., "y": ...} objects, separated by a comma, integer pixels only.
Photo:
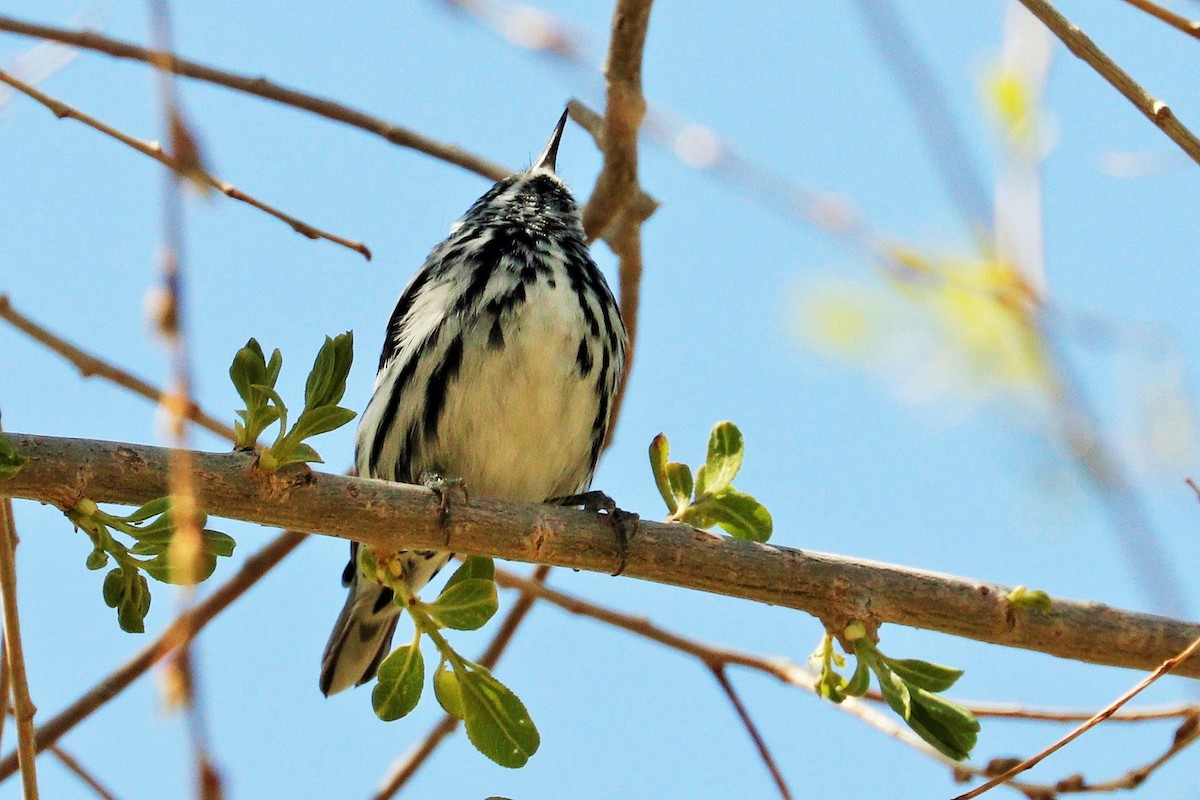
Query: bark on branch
[{"x": 389, "y": 516}]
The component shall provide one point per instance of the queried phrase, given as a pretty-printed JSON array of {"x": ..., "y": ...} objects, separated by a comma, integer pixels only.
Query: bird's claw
[
  {"x": 624, "y": 522},
  {"x": 442, "y": 486}
]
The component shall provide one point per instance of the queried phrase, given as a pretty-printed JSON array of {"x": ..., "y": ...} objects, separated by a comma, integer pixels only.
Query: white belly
[{"x": 518, "y": 423}]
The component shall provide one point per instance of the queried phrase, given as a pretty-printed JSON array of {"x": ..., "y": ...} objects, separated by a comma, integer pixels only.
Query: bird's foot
[
  {"x": 442, "y": 486},
  {"x": 624, "y": 522}
]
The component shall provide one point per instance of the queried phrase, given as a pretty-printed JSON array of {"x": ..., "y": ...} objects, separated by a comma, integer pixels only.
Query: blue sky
[{"x": 844, "y": 464}]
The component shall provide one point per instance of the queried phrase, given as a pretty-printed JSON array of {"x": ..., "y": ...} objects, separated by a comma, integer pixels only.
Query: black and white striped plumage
[{"x": 500, "y": 367}]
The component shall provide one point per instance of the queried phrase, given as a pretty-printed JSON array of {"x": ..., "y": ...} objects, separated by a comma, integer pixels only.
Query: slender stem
[
  {"x": 1188, "y": 26},
  {"x": 1106, "y": 712},
  {"x": 79, "y": 771},
  {"x": 1078, "y": 43},
  {"x": 194, "y": 171},
  {"x": 261, "y": 87},
  {"x": 718, "y": 671},
  {"x": 14, "y": 653}
]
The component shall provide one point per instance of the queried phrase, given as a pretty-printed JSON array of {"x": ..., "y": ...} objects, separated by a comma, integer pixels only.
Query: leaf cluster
[
  {"x": 152, "y": 527},
  {"x": 909, "y": 686},
  {"x": 254, "y": 377},
  {"x": 497, "y": 723},
  {"x": 710, "y": 498}
]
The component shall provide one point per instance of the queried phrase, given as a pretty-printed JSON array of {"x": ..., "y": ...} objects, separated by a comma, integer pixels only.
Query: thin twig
[
  {"x": 1078, "y": 43},
  {"x": 402, "y": 770},
  {"x": 154, "y": 150},
  {"x": 254, "y": 568},
  {"x": 718, "y": 671},
  {"x": 23, "y": 708},
  {"x": 78, "y": 770},
  {"x": 5, "y": 688},
  {"x": 93, "y": 366},
  {"x": 1167, "y": 666},
  {"x": 927, "y": 100},
  {"x": 261, "y": 87},
  {"x": 1188, "y": 26}
]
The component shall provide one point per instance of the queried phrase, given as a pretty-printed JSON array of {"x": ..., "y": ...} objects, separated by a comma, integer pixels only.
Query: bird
[{"x": 499, "y": 370}]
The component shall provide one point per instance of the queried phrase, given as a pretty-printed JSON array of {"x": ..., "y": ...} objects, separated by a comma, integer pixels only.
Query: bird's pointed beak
[{"x": 550, "y": 155}]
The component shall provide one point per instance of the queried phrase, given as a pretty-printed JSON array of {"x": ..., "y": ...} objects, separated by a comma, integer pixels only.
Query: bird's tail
[{"x": 361, "y": 637}]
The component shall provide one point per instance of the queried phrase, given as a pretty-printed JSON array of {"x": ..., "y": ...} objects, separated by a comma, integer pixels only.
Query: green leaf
[
  {"x": 10, "y": 460},
  {"x": 315, "y": 421},
  {"x": 860, "y": 681},
  {"x": 273, "y": 367},
  {"x": 114, "y": 587},
  {"x": 447, "y": 691},
  {"x": 739, "y": 514},
  {"x": 298, "y": 453},
  {"x": 134, "y": 603},
  {"x": 725, "y": 451},
  {"x": 161, "y": 569},
  {"x": 679, "y": 481},
  {"x": 659, "y": 450},
  {"x": 327, "y": 380},
  {"x": 895, "y": 690},
  {"x": 1030, "y": 599},
  {"x": 97, "y": 559},
  {"x": 248, "y": 368},
  {"x": 481, "y": 567},
  {"x": 496, "y": 720},
  {"x": 154, "y": 508},
  {"x": 217, "y": 543},
  {"x": 465, "y": 606},
  {"x": 923, "y": 674},
  {"x": 401, "y": 678},
  {"x": 946, "y": 725}
]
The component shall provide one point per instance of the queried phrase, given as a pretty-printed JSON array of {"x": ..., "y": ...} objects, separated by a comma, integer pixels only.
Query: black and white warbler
[{"x": 499, "y": 369}]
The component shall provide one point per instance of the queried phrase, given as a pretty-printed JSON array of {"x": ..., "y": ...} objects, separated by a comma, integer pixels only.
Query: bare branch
[
  {"x": 1188, "y": 26},
  {"x": 387, "y": 516},
  {"x": 154, "y": 150},
  {"x": 14, "y": 654},
  {"x": 261, "y": 87},
  {"x": 1083, "y": 47},
  {"x": 254, "y": 568},
  {"x": 624, "y": 109},
  {"x": 1167, "y": 666},
  {"x": 718, "y": 672},
  {"x": 93, "y": 366}
]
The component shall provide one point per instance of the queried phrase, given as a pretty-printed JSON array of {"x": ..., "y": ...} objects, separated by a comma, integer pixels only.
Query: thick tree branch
[{"x": 834, "y": 588}]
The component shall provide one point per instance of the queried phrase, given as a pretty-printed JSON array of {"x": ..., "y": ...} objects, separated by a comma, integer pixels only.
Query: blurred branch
[
  {"x": 1167, "y": 666},
  {"x": 17, "y": 682},
  {"x": 261, "y": 87},
  {"x": 1188, "y": 26},
  {"x": 1084, "y": 48},
  {"x": 927, "y": 100},
  {"x": 254, "y": 568},
  {"x": 154, "y": 150},
  {"x": 390, "y": 516},
  {"x": 78, "y": 770},
  {"x": 94, "y": 366},
  {"x": 402, "y": 770}
]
